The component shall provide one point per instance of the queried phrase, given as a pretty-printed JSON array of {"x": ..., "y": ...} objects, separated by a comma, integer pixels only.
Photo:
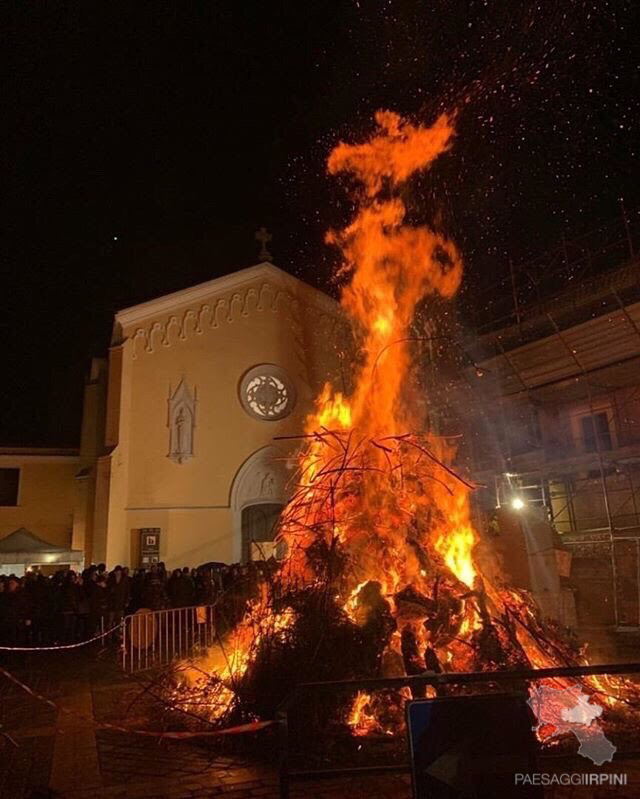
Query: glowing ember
[
  {"x": 228, "y": 661},
  {"x": 361, "y": 718}
]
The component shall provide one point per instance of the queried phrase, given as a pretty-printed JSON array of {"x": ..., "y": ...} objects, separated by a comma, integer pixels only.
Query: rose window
[{"x": 267, "y": 393}]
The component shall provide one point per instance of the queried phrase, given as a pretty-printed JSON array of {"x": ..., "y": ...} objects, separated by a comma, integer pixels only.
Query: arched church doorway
[
  {"x": 258, "y": 493},
  {"x": 259, "y": 527}
]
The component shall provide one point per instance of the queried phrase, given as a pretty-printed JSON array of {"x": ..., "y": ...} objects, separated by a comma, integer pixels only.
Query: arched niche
[
  {"x": 181, "y": 421},
  {"x": 262, "y": 483}
]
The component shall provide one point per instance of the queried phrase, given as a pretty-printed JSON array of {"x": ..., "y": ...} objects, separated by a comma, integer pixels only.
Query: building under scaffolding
[{"x": 554, "y": 408}]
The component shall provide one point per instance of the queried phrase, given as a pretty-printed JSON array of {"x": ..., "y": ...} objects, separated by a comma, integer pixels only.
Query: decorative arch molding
[
  {"x": 216, "y": 313},
  {"x": 262, "y": 479}
]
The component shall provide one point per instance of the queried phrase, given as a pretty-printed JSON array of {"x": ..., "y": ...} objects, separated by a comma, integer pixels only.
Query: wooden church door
[{"x": 258, "y": 531}]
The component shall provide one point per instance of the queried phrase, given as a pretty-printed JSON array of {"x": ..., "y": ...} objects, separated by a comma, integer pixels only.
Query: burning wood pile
[{"x": 384, "y": 573}]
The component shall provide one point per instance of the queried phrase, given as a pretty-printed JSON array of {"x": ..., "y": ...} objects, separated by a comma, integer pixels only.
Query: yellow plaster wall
[
  {"x": 188, "y": 537},
  {"x": 45, "y": 499},
  {"x": 225, "y": 434},
  {"x": 110, "y": 524},
  {"x": 114, "y": 386}
]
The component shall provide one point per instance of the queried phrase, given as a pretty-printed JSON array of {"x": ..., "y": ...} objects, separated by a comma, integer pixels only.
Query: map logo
[{"x": 570, "y": 710}]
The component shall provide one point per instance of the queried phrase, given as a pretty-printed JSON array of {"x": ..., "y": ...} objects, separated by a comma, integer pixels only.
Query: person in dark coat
[
  {"x": 188, "y": 587},
  {"x": 126, "y": 576},
  {"x": 3, "y": 631},
  {"x": 154, "y": 596},
  {"x": 137, "y": 589},
  {"x": 172, "y": 587},
  {"x": 98, "y": 605},
  {"x": 205, "y": 587},
  {"x": 15, "y": 613},
  {"x": 40, "y": 600},
  {"x": 118, "y": 596},
  {"x": 82, "y": 621},
  {"x": 181, "y": 589},
  {"x": 70, "y": 591}
]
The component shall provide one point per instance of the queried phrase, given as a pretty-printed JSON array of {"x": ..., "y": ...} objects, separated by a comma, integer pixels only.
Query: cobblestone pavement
[{"x": 46, "y": 754}]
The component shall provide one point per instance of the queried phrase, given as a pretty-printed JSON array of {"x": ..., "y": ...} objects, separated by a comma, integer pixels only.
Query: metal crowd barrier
[
  {"x": 152, "y": 638},
  {"x": 287, "y": 775}
]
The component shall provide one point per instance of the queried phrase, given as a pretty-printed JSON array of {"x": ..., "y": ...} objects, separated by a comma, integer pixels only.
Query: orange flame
[
  {"x": 361, "y": 718},
  {"x": 456, "y": 544},
  {"x": 369, "y": 482},
  {"x": 395, "y": 153},
  {"x": 391, "y": 267}
]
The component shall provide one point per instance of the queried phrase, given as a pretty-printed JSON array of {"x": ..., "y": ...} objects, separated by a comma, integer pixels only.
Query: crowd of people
[{"x": 69, "y": 607}]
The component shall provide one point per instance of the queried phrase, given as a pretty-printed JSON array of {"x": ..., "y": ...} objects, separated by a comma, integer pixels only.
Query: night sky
[{"x": 146, "y": 142}]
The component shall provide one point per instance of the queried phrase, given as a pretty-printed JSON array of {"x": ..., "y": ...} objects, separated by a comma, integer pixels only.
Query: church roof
[
  {"x": 22, "y": 540},
  {"x": 265, "y": 270},
  {"x": 39, "y": 452}
]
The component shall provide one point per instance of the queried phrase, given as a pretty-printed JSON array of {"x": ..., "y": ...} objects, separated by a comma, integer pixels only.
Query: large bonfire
[{"x": 384, "y": 574}]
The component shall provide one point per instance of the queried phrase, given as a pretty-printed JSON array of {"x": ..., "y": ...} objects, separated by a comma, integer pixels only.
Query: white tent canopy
[{"x": 23, "y": 549}]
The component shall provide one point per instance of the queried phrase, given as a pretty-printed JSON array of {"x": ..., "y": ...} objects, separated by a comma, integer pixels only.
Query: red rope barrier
[
  {"x": 60, "y": 646},
  {"x": 239, "y": 729}
]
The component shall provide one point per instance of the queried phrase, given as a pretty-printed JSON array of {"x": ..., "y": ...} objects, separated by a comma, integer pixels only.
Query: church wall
[
  {"x": 111, "y": 532},
  {"x": 91, "y": 447},
  {"x": 113, "y": 396},
  {"x": 224, "y": 433},
  {"x": 45, "y": 497},
  {"x": 190, "y": 500},
  {"x": 188, "y": 537},
  {"x": 83, "y": 503},
  {"x": 106, "y": 546}
]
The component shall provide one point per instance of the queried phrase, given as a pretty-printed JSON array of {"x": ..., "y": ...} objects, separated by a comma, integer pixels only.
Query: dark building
[{"x": 553, "y": 407}]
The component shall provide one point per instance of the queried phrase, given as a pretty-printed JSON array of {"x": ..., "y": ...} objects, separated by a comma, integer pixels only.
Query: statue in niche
[
  {"x": 268, "y": 485},
  {"x": 181, "y": 423},
  {"x": 264, "y": 484}
]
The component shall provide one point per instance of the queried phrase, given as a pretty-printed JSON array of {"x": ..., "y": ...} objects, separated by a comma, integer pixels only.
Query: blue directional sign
[{"x": 471, "y": 747}]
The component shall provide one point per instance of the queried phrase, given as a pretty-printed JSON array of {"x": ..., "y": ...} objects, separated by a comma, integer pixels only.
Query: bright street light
[{"x": 517, "y": 503}]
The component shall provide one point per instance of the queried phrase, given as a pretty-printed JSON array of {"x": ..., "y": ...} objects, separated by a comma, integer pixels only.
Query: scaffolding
[
  {"x": 576, "y": 263},
  {"x": 589, "y": 482}
]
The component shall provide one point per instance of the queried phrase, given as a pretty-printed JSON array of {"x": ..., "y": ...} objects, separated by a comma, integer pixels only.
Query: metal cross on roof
[{"x": 264, "y": 237}]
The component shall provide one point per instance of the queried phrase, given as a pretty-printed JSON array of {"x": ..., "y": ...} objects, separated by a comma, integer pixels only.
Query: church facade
[
  {"x": 189, "y": 430},
  {"x": 205, "y": 389}
]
